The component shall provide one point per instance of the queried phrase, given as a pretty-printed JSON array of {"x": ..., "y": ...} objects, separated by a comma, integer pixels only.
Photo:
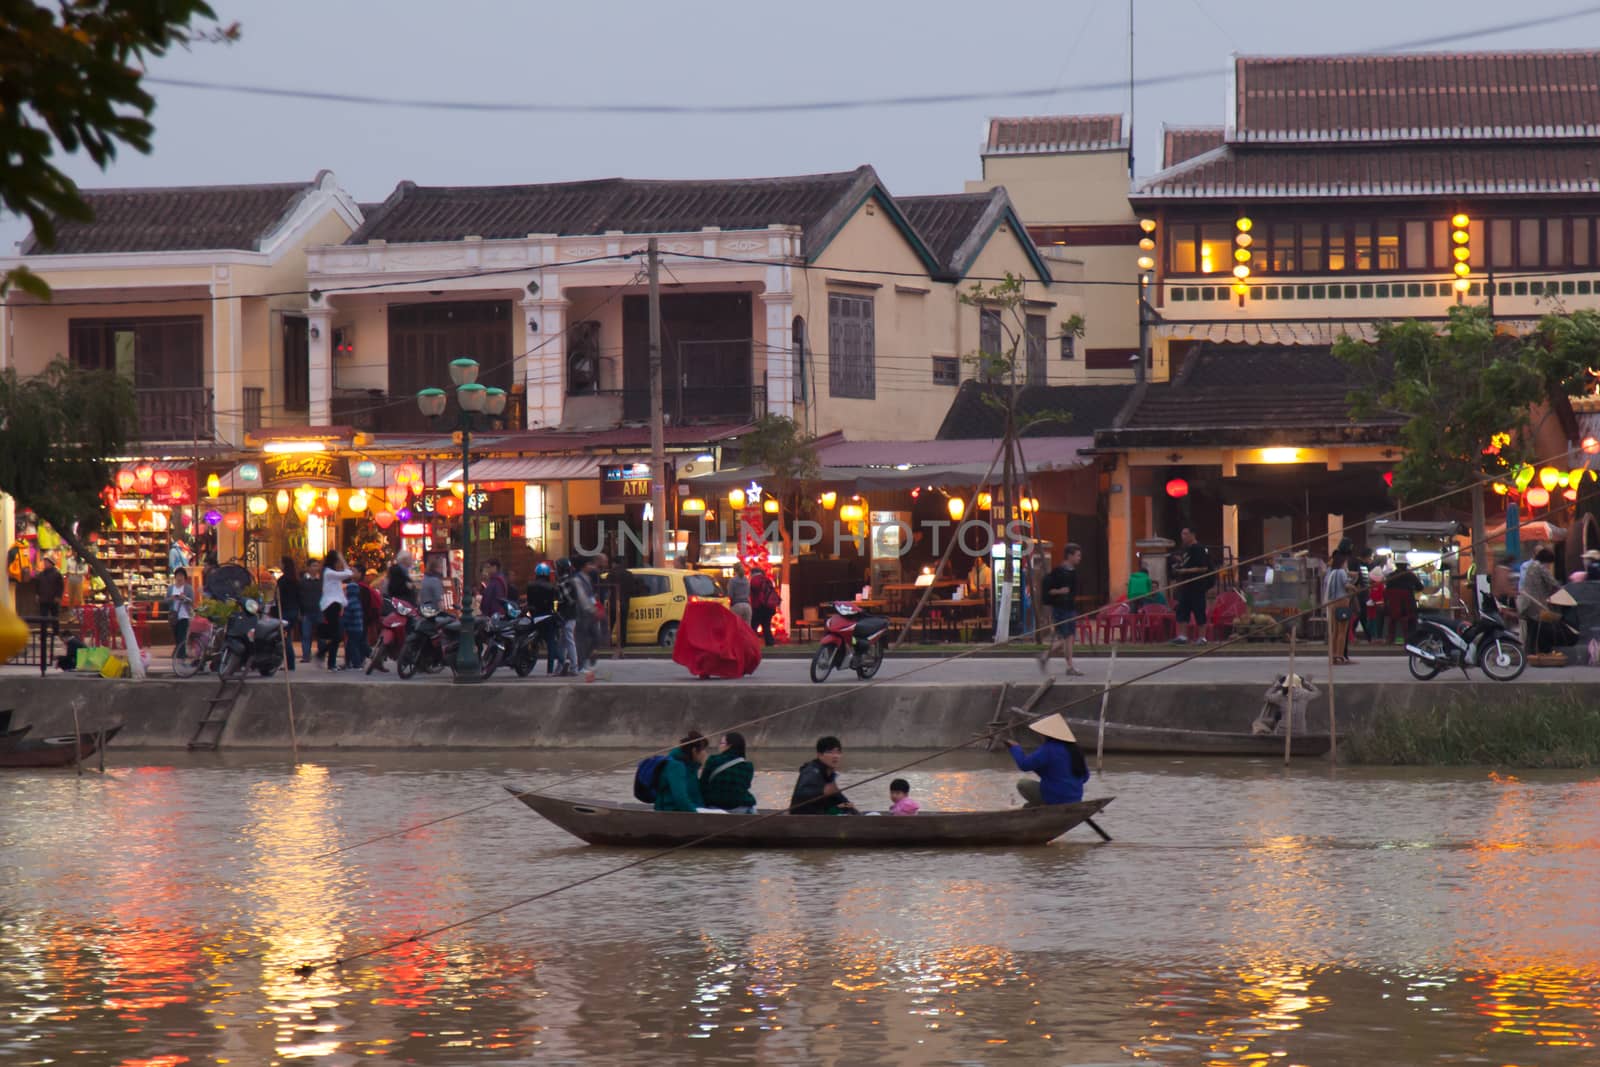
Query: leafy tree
[
  {"x": 72, "y": 74},
  {"x": 1000, "y": 368},
  {"x": 56, "y": 431},
  {"x": 789, "y": 454},
  {"x": 1458, "y": 385}
]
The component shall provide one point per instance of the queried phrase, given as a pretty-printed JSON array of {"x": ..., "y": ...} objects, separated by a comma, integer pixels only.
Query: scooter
[
  {"x": 501, "y": 636},
  {"x": 1438, "y": 643},
  {"x": 849, "y": 629},
  {"x": 398, "y": 619},
  {"x": 431, "y": 644},
  {"x": 252, "y": 640},
  {"x": 539, "y": 629}
]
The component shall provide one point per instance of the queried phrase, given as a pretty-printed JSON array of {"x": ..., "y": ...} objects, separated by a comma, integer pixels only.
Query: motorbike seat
[{"x": 871, "y": 624}]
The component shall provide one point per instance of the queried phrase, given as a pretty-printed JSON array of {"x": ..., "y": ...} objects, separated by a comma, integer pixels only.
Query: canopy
[{"x": 538, "y": 468}]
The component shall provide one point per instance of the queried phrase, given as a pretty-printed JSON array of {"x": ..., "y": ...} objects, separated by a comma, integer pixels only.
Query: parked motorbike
[
  {"x": 431, "y": 645},
  {"x": 398, "y": 618},
  {"x": 850, "y": 630},
  {"x": 1438, "y": 643},
  {"x": 502, "y": 636},
  {"x": 541, "y": 629},
  {"x": 253, "y": 641}
]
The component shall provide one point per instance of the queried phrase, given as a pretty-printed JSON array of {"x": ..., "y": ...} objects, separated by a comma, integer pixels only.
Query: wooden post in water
[
  {"x": 288, "y": 688},
  {"x": 100, "y": 745},
  {"x": 1105, "y": 698},
  {"x": 1288, "y": 715},
  {"x": 1333, "y": 724},
  {"x": 77, "y": 738}
]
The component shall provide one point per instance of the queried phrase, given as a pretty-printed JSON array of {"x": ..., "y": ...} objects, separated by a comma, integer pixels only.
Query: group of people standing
[{"x": 753, "y": 597}]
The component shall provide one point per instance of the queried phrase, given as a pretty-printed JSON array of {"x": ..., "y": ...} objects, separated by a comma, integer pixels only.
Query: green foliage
[
  {"x": 1002, "y": 367},
  {"x": 1495, "y": 728},
  {"x": 777, "y": 443},
  {"x": 72, "y": 74},
  {"x": 57, "y": 430},
  {"x": 1456, "y": 386}
]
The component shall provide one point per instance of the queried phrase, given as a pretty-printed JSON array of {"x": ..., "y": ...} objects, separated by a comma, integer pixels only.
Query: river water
[{"x": 1244, "y": 915}]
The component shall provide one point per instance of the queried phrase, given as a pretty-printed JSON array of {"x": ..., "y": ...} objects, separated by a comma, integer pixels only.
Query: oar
[{"x": 1096, "y": 828}]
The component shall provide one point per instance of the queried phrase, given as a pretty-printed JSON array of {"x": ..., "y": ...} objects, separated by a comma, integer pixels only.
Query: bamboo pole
[
  {"x": 77, "y": 738},
  {"x": 1288, "y": 720},
  {"x": 1105, "y": 698},
  {"x": 288, "y": 688},
  {"x": 1333, "y": 725}
]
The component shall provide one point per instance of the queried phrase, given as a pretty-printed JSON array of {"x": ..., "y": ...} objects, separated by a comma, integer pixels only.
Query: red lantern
[
  {"x": 1388, "y": 479},
  {"x": 448, "y": 506},
  {"x": 1177, "y": 488},
  {"x": 384, "y": 519},
  {"x": 162, "y": 479},
  {"x": 142, "y": 475},
  {"x": 232, "y": 520},
  {"x": 125, "y": 480},
  {"x": 1570, "y": 494}
]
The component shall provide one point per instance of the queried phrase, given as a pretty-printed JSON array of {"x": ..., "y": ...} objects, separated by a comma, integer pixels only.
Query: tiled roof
[
  {"x": 1087, "y": 408},
  {"x": 1179, "y": 143},
  {"x": 1249, "y": 395},
  {"x": 1242, "y": 172},
  {"x": 818, "y": 203},
  {"x": 176, "y": 219},
  {"x": 1479, "y": 96},
  {"x": 947, "y": 223},
  {"x": 1046, "y": 134}
]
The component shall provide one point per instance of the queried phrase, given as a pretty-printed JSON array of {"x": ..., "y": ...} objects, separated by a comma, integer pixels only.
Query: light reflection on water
[{"x": 1242, "y": 917}]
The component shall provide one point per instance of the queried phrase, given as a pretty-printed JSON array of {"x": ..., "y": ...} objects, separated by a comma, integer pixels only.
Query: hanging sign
[{"x": 315, "y": 468}]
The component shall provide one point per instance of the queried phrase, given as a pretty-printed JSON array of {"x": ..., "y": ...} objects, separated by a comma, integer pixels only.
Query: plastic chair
[
  {"x": 1160, "y": 623},
  {"x": 1226, "y": 610}
]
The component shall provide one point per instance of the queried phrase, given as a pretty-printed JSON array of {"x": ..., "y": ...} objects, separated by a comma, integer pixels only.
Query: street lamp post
[{"x": 472, "y": 399}]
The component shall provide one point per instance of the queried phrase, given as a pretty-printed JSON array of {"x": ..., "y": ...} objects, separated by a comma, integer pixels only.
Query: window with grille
[
  {"x": 946, "y": 370},
  {"x": 851, "y": 369}
]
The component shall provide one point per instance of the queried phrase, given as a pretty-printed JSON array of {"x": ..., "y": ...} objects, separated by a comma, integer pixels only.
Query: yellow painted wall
[
  {"x": 1083, "y": 187},
  {"x": 40, "y": 332}
]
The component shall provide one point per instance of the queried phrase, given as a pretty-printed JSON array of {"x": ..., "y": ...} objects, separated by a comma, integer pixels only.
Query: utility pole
[{"x": 658, "y": 444}]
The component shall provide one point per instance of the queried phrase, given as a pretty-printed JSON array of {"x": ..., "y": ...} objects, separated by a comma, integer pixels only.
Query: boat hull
[
  {"x": 1166, "y": 741},
  {"x": 637, "y": 826},
  {"x": 53, "y": 751}
]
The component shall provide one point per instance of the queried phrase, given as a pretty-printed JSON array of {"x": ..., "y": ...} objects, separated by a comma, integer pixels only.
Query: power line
[{"x": 823, "y": 105}]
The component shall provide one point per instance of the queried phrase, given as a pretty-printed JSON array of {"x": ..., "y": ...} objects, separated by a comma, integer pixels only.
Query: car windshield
[{"x": 700, "y": 585}]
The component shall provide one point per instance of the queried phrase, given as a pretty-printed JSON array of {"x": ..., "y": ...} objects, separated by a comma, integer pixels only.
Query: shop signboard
[
  {"x": 178, "y": 492},
  {"x": 627, "y": 483},
  {"x": 304, "y": 468},
  {"x": 427, "y": 502}
]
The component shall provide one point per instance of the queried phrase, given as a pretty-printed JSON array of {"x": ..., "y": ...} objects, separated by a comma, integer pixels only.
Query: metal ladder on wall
[{"x": 208, "y": 731}]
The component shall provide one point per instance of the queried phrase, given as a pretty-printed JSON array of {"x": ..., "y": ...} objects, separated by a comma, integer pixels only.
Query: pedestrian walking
[{"x": 310, "y": 585}]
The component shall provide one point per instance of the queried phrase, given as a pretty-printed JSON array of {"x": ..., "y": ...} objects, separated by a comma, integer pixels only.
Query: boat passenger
[
  {"x": 816, "y": 792},
  {"x": 678, "y": 789},
  {"x": 725, "y": 779},
  {"x": 1058, "y": 762},
  {"x": 900, "y": 797}
]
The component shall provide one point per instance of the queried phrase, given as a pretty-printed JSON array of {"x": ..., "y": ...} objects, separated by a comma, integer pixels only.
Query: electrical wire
[{"x": 820, "y": 105}]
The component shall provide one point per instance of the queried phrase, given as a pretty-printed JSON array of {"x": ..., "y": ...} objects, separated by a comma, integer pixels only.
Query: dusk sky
[{"x": 710, "y": 52}]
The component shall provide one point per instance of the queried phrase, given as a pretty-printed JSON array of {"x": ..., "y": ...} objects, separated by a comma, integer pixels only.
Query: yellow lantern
[
  {"x": 1501, "y": 488},
  {"x": 693, "y": 506},
  {"x": 1575, "y": 478},
  {"x": 1549, "y": 477},
  {"x": 736, "y": 498},
  {"x": 358, "y": 501},
  {"x": 1459, "y": 221},
  {"x": 770, "y": 506},
  {"x": 332, "y": 497},
  {"x": 458, "y": 490},
  {"x": 957, "y": 508},
  {"x": 305, "y": 498},
  {"x": 1243, "y": 225},
  {"x": 850, "y": 512},
  {"x": 213, "y": 486},
  {"x": 282, "y": 500},
  {"x": 828, "y": 500},
  {"x": 258, "y": 505},
  {"x": 985, "y": 500}
]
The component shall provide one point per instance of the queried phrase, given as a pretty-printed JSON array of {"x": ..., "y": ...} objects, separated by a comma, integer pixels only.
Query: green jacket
[
  {"x": 731, "y": 787},
  {"x": 678, "y": 789}
]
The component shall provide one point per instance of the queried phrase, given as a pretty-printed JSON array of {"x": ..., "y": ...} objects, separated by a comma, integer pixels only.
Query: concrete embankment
[{"x": 333, "y": 714}]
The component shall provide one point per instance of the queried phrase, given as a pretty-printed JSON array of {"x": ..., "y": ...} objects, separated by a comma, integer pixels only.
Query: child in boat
[{"x": 900, "y": 794}]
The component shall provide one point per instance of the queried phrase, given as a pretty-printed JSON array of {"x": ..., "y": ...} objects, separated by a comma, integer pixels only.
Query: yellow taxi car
[{"x": 657, "y": 598}]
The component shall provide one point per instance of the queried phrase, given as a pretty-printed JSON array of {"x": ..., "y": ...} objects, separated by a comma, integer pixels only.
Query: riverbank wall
[{"x": 162, "y": 713}]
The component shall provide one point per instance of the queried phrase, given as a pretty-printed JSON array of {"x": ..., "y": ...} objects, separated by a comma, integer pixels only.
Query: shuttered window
[{"x": 851, "y": 368}]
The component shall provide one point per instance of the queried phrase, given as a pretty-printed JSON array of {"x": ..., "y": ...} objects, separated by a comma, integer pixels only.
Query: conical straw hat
[{"x": 1053, "y": 726}]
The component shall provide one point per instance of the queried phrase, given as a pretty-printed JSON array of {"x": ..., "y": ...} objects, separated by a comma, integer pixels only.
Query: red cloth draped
[{"x": 714, "y": 641}]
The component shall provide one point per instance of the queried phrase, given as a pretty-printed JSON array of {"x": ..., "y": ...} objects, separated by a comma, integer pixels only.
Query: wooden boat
[
  {"x": 638, "y": 826},
  {"x": 52, "y": 751},
  {"x": 1124, "y": 737}
]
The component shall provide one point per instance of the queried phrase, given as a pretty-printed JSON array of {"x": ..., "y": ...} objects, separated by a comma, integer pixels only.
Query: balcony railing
[
  {"x": 374, "y": 411},
  {"x": 174, "y": 414},
  {"x": 688, "y": 405}
]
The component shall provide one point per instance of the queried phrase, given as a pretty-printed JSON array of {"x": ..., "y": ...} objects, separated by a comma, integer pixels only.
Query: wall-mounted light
[
  {"x": 315, "y": 333},
  {"x": 533, "y": 325},
  {"x": 533, "y": 288}
]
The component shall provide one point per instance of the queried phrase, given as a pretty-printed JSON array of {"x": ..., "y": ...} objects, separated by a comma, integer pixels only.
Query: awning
[
  {"x": 947, "y": 474},
  {"x": 1039, "y": 453},
  {"x": 537, "y": 468}
]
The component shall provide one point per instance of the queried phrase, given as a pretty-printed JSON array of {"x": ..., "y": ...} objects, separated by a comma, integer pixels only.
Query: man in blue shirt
[{"x": 1058, "y": 762}]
